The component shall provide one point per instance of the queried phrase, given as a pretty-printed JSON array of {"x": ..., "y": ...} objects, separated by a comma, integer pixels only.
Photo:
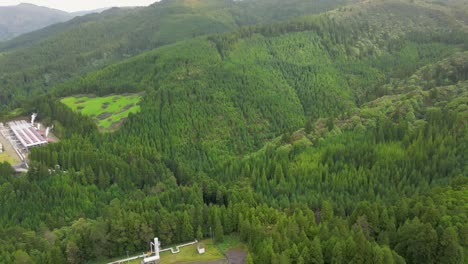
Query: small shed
[{"x": 201, "y": 248}]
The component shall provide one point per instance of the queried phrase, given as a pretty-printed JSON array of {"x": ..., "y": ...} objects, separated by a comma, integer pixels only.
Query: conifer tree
[
  {"x": 326, "y": 212},
  {"x": 450, "y": 251},
  {"x": 337, "y": 254},
  {"x": 199, "y": 233},
  {"x": 218, "y": 230},
  {"x": 249, "y": 259},
  {"x": 187, "y": 229},
  {"x": 316, "y": 255}
]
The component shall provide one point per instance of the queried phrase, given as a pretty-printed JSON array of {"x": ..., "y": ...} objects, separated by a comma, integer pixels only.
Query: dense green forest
[{"x": 337, "y": 137}]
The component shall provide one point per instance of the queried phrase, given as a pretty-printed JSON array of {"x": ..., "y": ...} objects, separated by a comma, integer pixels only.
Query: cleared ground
[
  {"x": 9, "y": 155},
  {"x": 214, "y": 254},
  {"x": 108, "y": 112},
  {"x": 188, "y": 254}
]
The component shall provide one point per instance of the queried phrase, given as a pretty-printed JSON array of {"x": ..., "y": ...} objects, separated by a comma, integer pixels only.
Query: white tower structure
[
  {"x": 154, "y": 250},
  {"x": 156, "y": 246},
  {"x": 47, "y": 132},
  {"x": 38, "y": 126},
  {"x": 33, "y": 117}
]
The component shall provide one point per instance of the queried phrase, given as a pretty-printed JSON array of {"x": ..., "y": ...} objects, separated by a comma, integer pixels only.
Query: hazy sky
[{"x": 79, "y": 5}]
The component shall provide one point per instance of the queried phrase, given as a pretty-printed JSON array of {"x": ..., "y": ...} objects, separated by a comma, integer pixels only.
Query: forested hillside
[
  {"x": 240, "y": 89},
  {"x": 338, "y": 137},
  {"x": 31, "y": 63}
]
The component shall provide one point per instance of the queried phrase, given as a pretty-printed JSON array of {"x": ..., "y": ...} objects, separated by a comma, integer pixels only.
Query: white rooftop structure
[
  {"x": 201, "y": 248},
  {"x": 27, "y": 134}
]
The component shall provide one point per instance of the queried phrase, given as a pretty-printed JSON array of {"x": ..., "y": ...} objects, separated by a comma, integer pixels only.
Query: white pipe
[{"x": 177, "y": 250}]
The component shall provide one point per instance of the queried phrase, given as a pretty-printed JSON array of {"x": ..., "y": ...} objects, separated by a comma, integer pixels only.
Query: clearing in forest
[
  {"x": 215, "y": 253},
  {"x": 8, "y": 158},
  {"x": 8, "y": 154},
  {"x": 190, "y": 254},
  {"x": 108, "y": 112}
]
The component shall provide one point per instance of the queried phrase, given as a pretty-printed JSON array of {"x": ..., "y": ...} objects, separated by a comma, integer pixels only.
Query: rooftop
[{"x": 27, "y": 134}]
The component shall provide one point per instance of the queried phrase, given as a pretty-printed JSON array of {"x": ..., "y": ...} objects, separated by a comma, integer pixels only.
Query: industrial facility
[
  {"x": 26, "y": 134},
  {"x": 23, "y": 135}
]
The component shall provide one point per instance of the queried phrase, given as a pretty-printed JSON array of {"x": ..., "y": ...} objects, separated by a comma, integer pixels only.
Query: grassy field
[
  {"x": 188, "y": 254},
  {"x": 9, "y": 155},
  {"x": 231, "y": 242},
  {"x": 5, "y": 157},
  {"x": 108, "y": 112}
]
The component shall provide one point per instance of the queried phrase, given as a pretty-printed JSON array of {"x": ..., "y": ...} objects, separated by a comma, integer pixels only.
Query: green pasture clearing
[
  {"x": 9, "y": 155},
  {"x": 231, "y": 242},
  {"x": 5, "y": 157},
  {"x": 108, "y": 112},
  {"x": 190, "y": 253},
  {"x": 187, "y": 254}
]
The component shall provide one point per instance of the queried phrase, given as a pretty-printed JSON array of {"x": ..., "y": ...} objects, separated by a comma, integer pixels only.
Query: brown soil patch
[
  {"x": 126, "y": 108},
  {"x": 236, "y": 256},
  {"x": 80, "y": 101},
  {"x": 117, "y": 124},
  {"x": 218, "y": 261},
  {"x": 104, "y": 115}
]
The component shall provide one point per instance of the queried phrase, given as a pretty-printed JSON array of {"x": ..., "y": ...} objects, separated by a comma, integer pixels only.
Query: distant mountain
[
  {"x": 86, "y": 12},
  {"x": 24, "y": 18}
]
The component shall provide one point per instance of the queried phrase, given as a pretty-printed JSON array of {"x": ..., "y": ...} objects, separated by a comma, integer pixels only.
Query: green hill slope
[
  {"x": 240, "y": 89},
  {"x": 33, "y": 62}
]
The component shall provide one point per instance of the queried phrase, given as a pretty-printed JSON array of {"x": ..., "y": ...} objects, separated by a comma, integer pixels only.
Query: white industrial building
[
  {"x": 26, "y": 134},
  {"x": 23, "y": 136}
]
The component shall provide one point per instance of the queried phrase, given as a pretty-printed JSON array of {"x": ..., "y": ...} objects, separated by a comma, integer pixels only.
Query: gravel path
[{"x": 236, "y": 256}]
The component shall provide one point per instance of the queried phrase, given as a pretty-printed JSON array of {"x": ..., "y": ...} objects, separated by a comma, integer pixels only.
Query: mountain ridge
[{"x": 24, "y": 18}]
